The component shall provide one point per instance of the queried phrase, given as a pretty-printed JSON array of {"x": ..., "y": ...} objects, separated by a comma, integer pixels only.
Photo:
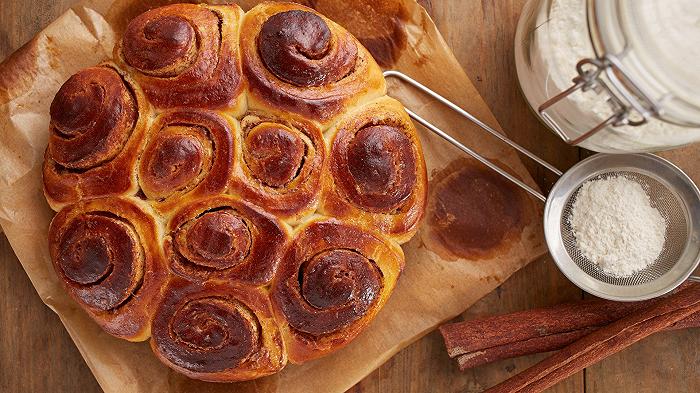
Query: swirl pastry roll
[
  {"x": 378, "y": 175},
  {"x": 225, "y": 238},
  {"x": 107, "y": 255},
  {"x": 298, "y": 61},
  {"x": 234, "y": 186},
  {"x": 186, "y": 55},
  {"x": 332, "y": 281},
  {"x": 188, "y": 154},
  {"x": 280, "y": 163},
  {"x": 97, "y": 122},
  {"x": 216, "y": 331}
]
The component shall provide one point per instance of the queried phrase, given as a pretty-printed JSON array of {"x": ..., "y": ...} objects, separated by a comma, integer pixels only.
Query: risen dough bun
[{"x": 234, "y": 186}]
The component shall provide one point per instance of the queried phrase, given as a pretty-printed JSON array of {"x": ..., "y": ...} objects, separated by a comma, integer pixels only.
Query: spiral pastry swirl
[
  {"x": 280, "y": 164},
  {"x": 188, "y": 154},
  {"x": 106, "y": 253},
  {"x": 332, "y": 281},
  {"x": 186, "y": 55},
  {"x": 225, "y": 238},
  {"x": 309, "y": 59},
  {"x": 234, "y": 186},
  {"x": 377, "y": 168},
  {"x": 216, "y": 331},
  {"x": 298, "y": 61},
  {"x": 93, "y": 137}
]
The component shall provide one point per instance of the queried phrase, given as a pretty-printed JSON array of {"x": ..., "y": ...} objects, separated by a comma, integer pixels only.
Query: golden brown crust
[
  {"x": 280, "y": 164},
  {"x": 188, "y": 154},
  {"x": 217, "y": 331},
  {"x": 186, "y": 55},
  {"x": 107, "y": 255},
  {"x": 378, "y": 171},
  {"x": 332, "y": 281},
  {"x": 181, "y": 171},
  {"x": 298, "y": 61},
  {"x": 97, "y": 121},
  {"x": 224, "y": 238}
]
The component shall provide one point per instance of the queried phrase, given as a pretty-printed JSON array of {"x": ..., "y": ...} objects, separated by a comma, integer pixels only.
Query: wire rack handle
[{"x": 444, "y": 135}]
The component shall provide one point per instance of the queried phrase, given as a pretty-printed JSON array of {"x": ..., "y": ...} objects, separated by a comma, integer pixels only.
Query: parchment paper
[{"x": 432, "y": 289}]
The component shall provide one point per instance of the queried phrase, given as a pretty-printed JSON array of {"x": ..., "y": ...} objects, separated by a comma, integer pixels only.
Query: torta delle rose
[{"x": 233, "y": 186}]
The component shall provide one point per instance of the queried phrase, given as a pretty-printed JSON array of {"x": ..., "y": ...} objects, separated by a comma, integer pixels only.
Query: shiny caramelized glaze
[
  {"x": 185, "y": 55},
  {"x": 188, "y": 154},
  {"x": 378, "y": 173},
  {"x": 225, "y": 238},
  {"x": 92, "y": 117},
  {"x": 217, "y": 331},
  {"x": 106, "y": 252},
  {"x": 273, "y": 153},
  {"x": 216, "y": 240},
  {"x": 237, "y": 202},
  {"x": 331, "y": 282},
  {"x": 297, "y": 61},
  {"x": 102, "y": 257},
  {"x": 298, "y": 47},
  {"x": 97, "y": 121},
  {"x": 376, "y": 167},
  {"x": 281, "y": 165},
  {"x": 340, "y": 286}
]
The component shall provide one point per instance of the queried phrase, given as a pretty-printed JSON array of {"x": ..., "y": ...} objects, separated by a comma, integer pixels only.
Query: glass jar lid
[{"x": 651, "y": 51}]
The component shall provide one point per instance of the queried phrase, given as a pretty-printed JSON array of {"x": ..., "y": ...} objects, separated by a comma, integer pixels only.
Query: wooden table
[{"x": 36, "y": 354}]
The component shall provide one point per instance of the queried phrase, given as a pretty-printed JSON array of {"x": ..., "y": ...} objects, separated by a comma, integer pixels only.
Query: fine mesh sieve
[
  {"x": 671, "y": 209},
  {"x": 670, "y": 191}
]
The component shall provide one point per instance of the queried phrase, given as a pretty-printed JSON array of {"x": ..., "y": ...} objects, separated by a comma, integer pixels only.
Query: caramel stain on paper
[
  {"x": 419, "y": 56},
  {"x": 378, "y": 25},
  {"x": 53, "y": 53},
  {"x": 473, "y": 212}
]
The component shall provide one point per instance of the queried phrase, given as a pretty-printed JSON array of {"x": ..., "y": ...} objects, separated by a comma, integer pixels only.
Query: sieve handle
[
  {"x": 444, "y": 135},
  {"x": 694, "y": 278}
]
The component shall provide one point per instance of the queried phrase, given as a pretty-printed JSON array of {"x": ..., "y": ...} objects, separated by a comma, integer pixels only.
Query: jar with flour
[{"x": 613, "y": 75}]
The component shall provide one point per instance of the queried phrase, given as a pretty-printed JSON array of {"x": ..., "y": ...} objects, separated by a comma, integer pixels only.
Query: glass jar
[{"x": 613, "y": 75}]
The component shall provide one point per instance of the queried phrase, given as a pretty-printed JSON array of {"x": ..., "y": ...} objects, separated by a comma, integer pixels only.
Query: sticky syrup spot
[{"x": 473, "y": 212}]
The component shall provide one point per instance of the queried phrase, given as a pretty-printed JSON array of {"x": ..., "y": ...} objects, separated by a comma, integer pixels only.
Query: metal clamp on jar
[{"x": 636, "y": 85}]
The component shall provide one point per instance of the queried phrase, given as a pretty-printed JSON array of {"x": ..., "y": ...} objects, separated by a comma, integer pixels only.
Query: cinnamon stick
[
  {"x": 482, "y": 341},
  {"x": 477, "y": 335},
  {"x": 520, "y": 348},
  {"x": 542, "y": 344},
  {"x": 605, "y": 342}
]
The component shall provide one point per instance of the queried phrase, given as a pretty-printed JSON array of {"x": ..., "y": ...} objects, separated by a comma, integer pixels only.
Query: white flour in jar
[
  {"x": 568, "y": 42},
  {"x": 616, "y": 227}
]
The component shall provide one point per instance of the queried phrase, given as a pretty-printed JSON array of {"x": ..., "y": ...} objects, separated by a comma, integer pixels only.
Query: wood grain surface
[{"x": 37, "y": 355}]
